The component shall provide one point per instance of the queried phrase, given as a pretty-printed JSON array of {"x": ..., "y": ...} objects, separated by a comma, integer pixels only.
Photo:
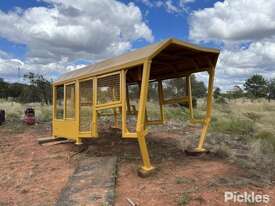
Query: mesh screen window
[
  {"x": 86, "y": 103},
  {"x": 173, "y": 88},
  {"x": 70, "y": 101},
  {"x": 152, "y": 106},
  {"x": 108, "y": 89},
  {"x": 59, "y": 102}
]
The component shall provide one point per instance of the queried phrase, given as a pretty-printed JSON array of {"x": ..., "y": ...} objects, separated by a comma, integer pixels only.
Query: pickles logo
[{"x": 246, "y": 197}]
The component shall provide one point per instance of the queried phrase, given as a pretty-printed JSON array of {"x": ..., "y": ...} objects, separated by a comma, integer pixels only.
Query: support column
[
  {"x": 160, "y": 91},
  {"x": 94, "y": 117},
  {"x": 53, "y": 109},
  {"x": 146, "y": 168},
  {"x": 189, "y": 88},
  {"x": 115, "y": 110},
  {"x": 207, "y": 120},
  {"x": 123, "y": 108},
  {"x": 78, "y": 140}
]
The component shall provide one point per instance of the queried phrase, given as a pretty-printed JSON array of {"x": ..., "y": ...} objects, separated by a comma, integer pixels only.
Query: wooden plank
[{"x": 44, "y": 140}]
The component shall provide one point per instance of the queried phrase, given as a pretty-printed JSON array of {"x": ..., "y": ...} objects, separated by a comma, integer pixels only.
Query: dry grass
[{"x": 15, "y": 110}]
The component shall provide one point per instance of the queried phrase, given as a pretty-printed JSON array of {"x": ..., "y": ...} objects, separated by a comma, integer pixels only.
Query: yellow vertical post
[
  {"x": 64, "y": 103},
  {"x": 94, "y": 118},
  {"x": 115, "y": 110},
  {"x": 123, "y": 108},
  {"x": 127, "y": 98},
  {"x": 115, "y": 118},
  {"x": 211, "y": 73},
  {"x": 189, "y": 86},
  {"x": 160, "y": 91},
  {"x": 53, "y": 107},
  {"x": 77, "y": 96},
  {"x": 141, "y": 118}
]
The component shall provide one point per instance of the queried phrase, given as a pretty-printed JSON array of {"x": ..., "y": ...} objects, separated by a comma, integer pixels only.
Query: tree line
[
  {"x": 254, "y": 87},
  {"x": 36, "y": 89}
]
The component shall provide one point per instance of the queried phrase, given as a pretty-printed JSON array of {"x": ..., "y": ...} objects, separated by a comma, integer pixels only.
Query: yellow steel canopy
[{"x": 170, "y": 55}]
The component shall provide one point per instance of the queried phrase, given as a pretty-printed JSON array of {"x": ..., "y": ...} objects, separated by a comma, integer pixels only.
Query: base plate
[
  {"x": 145, "y": 173},
  {"x": 196, "y": 152}
]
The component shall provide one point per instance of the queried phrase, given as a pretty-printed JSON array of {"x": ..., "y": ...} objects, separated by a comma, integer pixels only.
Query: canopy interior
[{"x": 170, "y": 58}]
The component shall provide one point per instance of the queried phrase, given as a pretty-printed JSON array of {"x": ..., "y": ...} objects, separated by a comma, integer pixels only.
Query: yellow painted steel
[
  {"x": 94, "y": 118},
  {"x": 60, "y": 125},
  {"x": 53, "y": 109},
  {"x": 70, "y": 127},
  {"x": 161, "y": 97},
  {"x": 78, "y": 139},
  {"x": 176, "y": 100},
  {"x": 211, "y": 73},
  {"x": 123, "y": 107},
  {"x": 141, "y": 117},
  {"x": 189, "y": 86}
]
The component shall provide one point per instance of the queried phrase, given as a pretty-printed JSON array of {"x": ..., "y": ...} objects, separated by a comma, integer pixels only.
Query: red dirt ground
[{"x": 31, "y": 174}]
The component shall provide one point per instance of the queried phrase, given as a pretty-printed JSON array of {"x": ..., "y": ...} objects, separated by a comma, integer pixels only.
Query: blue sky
[{"x": 54, "y": 36}]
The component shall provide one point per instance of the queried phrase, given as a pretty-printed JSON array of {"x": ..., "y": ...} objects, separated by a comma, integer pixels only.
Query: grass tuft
[{"x": 184, "y": 199}]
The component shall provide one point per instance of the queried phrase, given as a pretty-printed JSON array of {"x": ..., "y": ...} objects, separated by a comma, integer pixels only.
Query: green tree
[
  {"x": 198, "y": 88},
  {"x": 217, "y": 93},
  {"x": 256, "y": 86},
  {"x": 40, "y": 87},
  {"x": 3, "y": 88},
  {"x": 271, "y": 89}
]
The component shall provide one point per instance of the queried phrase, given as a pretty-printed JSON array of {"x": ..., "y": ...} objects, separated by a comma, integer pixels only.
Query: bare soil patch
[{"x": 31, "y": 174}]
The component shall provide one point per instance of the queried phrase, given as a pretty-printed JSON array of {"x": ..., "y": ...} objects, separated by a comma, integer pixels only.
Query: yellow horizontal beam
[
  {"x": 108, "y": 105},
  {"x": 108, "y": 71},
  {"x": 197, "y": 121},
  {"x": 84, "y": 135},
  {"x": 130, "y": 135},
  {"x": 154, "y": 122},
  {"x": 176, "y": 100}
]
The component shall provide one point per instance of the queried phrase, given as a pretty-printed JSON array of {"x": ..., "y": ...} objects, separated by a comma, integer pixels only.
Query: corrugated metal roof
[{"x": 133, "y": 57}]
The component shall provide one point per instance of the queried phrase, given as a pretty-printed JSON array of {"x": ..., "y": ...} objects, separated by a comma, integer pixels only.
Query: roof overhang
[{"x": 171, "y": 54}]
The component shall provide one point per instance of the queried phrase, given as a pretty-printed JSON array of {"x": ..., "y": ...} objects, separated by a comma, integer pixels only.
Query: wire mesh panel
[
  {"x": 133, "y": 92},
  {"x": 108, "y": 89},
  {"x": 153, "y": 105},
  {"x": 59, "y": 103},
  {"x": 173, "y": 88},
  {"x": 85, "y": 105},
  {"x": 70, "y": 101}
]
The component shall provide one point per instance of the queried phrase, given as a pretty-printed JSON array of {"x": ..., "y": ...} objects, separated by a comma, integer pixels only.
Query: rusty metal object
[{"x": 29, "y": 117}]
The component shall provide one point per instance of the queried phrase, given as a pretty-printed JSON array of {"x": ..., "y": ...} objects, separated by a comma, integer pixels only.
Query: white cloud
[
  {"x": 70, "y": 30},
  {"x": 234, "y": 20},
  {"x": 237, "y": 65},
  {"x": 13, "y": 70},
  {"x": 246, "y": 29},
  {"x": 3, "y": 54},
  {"x": 170, "y": 6}
]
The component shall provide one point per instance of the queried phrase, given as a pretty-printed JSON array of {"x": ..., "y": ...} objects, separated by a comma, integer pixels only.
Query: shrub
[
  {"x": 233, "y": 125},
  {"x": 44, "y": 114},
  {"x": 220, "y": 100},
  {"x": 266, "y": 139},
  {"x": 252, "y": 115}
]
